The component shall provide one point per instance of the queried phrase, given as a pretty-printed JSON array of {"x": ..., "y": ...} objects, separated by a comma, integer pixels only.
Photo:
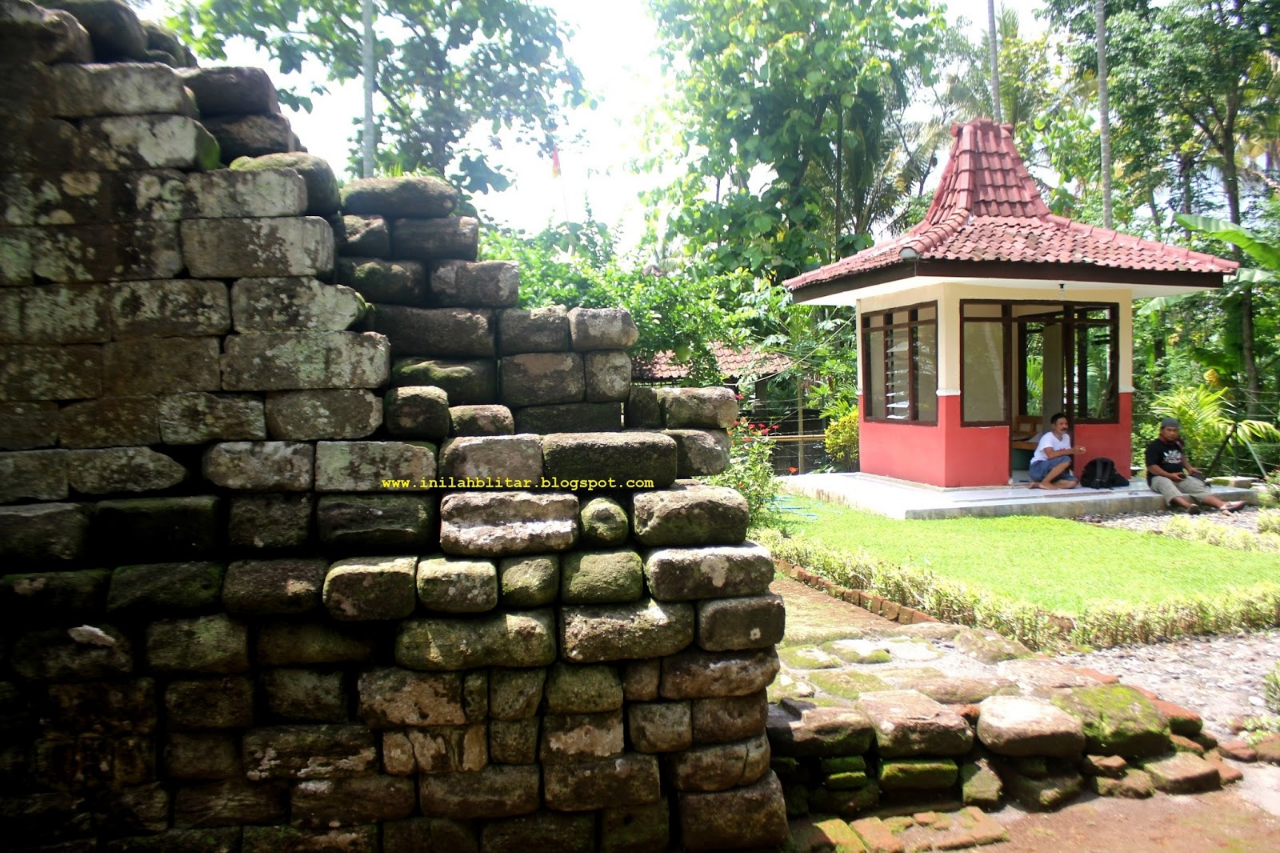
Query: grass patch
[{"x": 1027, "y": 576}]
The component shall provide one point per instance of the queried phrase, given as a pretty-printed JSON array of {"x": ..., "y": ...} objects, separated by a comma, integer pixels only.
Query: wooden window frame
[{"x": 910, "y": 328}]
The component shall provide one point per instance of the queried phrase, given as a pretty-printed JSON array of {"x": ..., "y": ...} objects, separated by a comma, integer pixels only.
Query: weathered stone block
[
  {"x": 819, "y": 732},
  {"x": 500, "y": 524},
  {"x": 537, "y": 330},
  {"x": 106, "y": 708},
  {"x": 43, "y": 533},
  {"x": 512, "y": 460},
  {"x": 164, "y": 587},
  {"x": 480, "y": 420},
  {"x": 291, "y": 643},
  {"x": 486, "y": 284},
  {"x": 643, "y": 410},
  {"x": 270, "y": 587},
  {"x": 629, "y": 779},
  {"x": 689, "y": 574},
  {"x": 698, "y": 408},
  {"x": 455, "y": 237},
  {"x": 515, "y": 694},
  {"x": 495, "y": 791},
  {"x": 210, "y": 703},
  {"x": 50, "y": 372},
  {"x": 40, "y": 597},
  {"x": 513, "y": 741},
  {"x": 29, "y": 426},
  {"x": 729, "y": 718},
  {"x": 401, "y": 196},
  {"x": 211, "y": 644},
  {"x": 908, "y": 723},
  {"x": 419, "y": 833},
  {"x": 439, "y": 749},
  {"x": 197, "y": 418},
  {"x": 361, "y": 589},
  {"x": 260, "y": 466},
  {"x": 130, "y": 143},
  {"x": 309, "y": 752},
  {"x": 404, "y": 522},
  {"x": 42, "y": 35},
  {"x": 601, "y": 577},
  {"x": 38, "y": 474},
  {"x": 229, "y": 89},
  {"x": 597, "y": 633},
  {"x": 249, "y": 248},
  {"x": 234, "y": 194},
  {"x": 384, "y": 282},
  {"x": 176, "y": 308},
  {"x": 583, "y": 689},
  {"x": 700, "y": 452},
  {"x": 323, "y": 414},
  {"x": 202, "y": 757},
  {"x": 293, "y": 304},
  {"x": 160, "y": 366},
  {"x": 640, "y": 680},
  {"x": 704, "y": 675},
  {"x": 620, "y": 458},
  {"x": 305, "y": 695},
  {"x": 123, "y": 251},
  {"x": 529, "y": 581},
  {"x": 16, "y": 256},
  {"x": 278, "y": 839},
  {"x": 537, "y": 379},
  {"x": 660, "y": 726},
  {"x": 363, "y": 238},
  {"x": 418, "y": 411},
  {"x": 602, "y": 329},
  {"x": 447, "y": 332},
  {"x": 344, "y": 802},
  {"x": 457, "y": 586},
  {"x": 543, "y": 831},
  {"x": 391, "y": 698},
  {"x": 720, "y": 767},
  {"x": 70, "y": 198},
  {"x": 730, "y": 624},
  {"x": 754, "y": 816},
  {"x": 608, "y": 376},
  {"x": 633, "y": 829},
  {"x": 917, "y": 774},
  {"x": 91, "y": 762},
  {"x": 504, "y": 639},
  {"x": 55, "y": 314},
  {"x": 362, "y": 466},
  {"x": 229, "y": 803},
  {"x": 1043, "y": 793},
  {"x": 569, "y": 417},
  {"x": 604, "y": 522},
  {"x": 1024, "y": 727},
  {"x": 1117, "y": 720},
  {"x": 250, "y": 135},
  {"x": 689, "y": 515},
  {"x": 122, "y": 469},
  {"x": 269, "y": 521},
  {"x": 466, "y": 382},
  {"x": 287, "y": 361},
  {"x": 321, "y": 196},
  {"x": 84, "y": 91},
  {"x": 157, "y": 528}
]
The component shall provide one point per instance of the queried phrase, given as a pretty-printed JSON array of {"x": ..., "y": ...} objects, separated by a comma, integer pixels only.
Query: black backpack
[{"x": 1101, "y": 473}]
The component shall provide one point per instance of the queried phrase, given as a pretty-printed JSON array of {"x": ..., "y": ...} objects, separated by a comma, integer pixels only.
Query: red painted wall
[{"x": 1113, "y": 441}]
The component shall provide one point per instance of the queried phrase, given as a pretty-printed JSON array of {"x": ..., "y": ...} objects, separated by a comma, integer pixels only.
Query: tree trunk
[
  {"x": 1104, "y": 113},
  {"x": 995, "y": 61},
  {"x": 1231, "y": 186},
  {"x": 368, "y": 72},
  {"x": 839, "y": 223}
]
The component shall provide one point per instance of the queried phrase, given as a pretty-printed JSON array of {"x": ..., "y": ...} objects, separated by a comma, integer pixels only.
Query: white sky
[{"x": 612, "y": 43}]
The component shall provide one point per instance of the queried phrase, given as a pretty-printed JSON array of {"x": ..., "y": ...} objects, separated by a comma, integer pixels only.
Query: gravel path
[{"x": 1245, "y": 519}]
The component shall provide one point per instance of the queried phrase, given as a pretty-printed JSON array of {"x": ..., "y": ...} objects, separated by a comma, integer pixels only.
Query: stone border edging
[{"x": 879, "y": 605}]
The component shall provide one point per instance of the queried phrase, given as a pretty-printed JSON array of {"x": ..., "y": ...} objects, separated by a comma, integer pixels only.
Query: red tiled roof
[
  {"x": 732, "y": 363},
  {"x": 987, "y": 208}
]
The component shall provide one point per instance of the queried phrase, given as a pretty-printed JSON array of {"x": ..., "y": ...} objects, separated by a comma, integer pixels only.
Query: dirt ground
[{"x": 1244, "y": 818}]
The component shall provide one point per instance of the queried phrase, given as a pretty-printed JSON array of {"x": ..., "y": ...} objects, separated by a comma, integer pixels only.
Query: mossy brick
[
  {"x": 354, "y": 801},
  {"x": 317, "y": 175},
  {"x": 523, "y": 639},
  {"x": 1111, "y": 766},
  {"x": 847, "y": 684},
  {"x": 495, "y": 791},
  {"x": 230, "y": 802},
  {"x": 371, "y": 588},
  {"x": 157, "y": 528},
  {"x": 481, "y": 420},
  {"x": 250, "y": 135},
  {"x": 697, "y": 674},
  {"x": 743, "y": 818},
  {"x": 417, "y": 411},
  {"x": 843, "y": 764},
  {"x": 58, "y": 654},
  {"x": 269, "y": 521},
  {"x": 819, "y": 732},
  {"x": 513, "y": 460},
  {"x": 29, "y": 426},
  {"x": 689, "y": 515},
  {"x": 305, "y": 695},
  {"x": 1182, "y": 721},
  {"x": 604, "y": 522},
  {"x": 640, "y": 679},
  {"x": 308, "y": 752},
  {"x": 593, "y": 329},
  {"x": 165, "y": 587},
  {"x": 544, "y": 329},
  {"x": 32, "y": 373},
  {"x": 825, "y": 834},
  {"x": 631, "y": 829},
  {"x": 917, "y": 774},
  {"x": 227, "y": 193},
  {"x": 622, "y": 457},
  {"x": 90, "y": 762},
  {"x": 34, "y": 474},
  {"x": 532, "y": 581},
  {"x": 386, "y": 282},
  {"x": 285, "y": 586},
  {"x": 629, "y": 779},
  {"x": 1117, "y": 719},
  {"x": 569, "y": 417},
  {"x": 142, "y": 142},
  {"x": 38, "y": 596},
  {"x": 362, "y": 466},
  {"x": 808, "y": 657},
  {"x": 434, "y": 239},
  {"x": 1023, "y": 727},
  {"x": 689, "y": 574},
  {"x": 721, "y": 766},
  {"x": 145, "y": 366},
  {"x": 848, "y": 804},
  {"x": 436, "y": 332},
  {"x": 294, "y": 304},
  {"x": 660, "y": 726},
  {"x": 515, "y": 694},
  {"x": 475, "y": 695},
  {"x": 110, "y": 422},
  {"x": 731, "y": 624},
  {"x": 113, "y": 470},
  {"x": 206, "y": 644},
  {"x": 257, "y": 248},
  {"x": 420, "y": 833},
  {"x": 1033, "y": 767},
  {"x": 82, "y": 197},
  {"x": 55, "y": 314},
  {"x": 989, "y": 647},
  {"x": 400, "y": 196},
  {"x": 209, "y": 703},
  {"x": 541, "y": 831},
  {"x": 643, "y": 411},
  {"x": 379, "y": 522},
  {"x": 1047, "y": 794},
  {"x": 608, "y": 376},
  {"x": 1183, "y": 773},
  {"x": 196, "y": 418},
  {"x": 574, "y": 689},
  {"x": 908, "y": 723},
  {"x": 166, "y": 309},
  {"x": 467, "y": 382},
  {"x": 202, "y": 756},
  {"x": 700, "y": 452},
  {"x": 728, "y": 718},
  {"x": 103, "y": 707},
  {"x": 507, "y": 524},
  {"x": 596, "y": 633},
  {"x": 231, "y": 89},
  {"x": 457, "y": 586},
  {"x": 390, "y": 697},
  {"x": 303, "y": 643},
  {"x": 698, "y": 408},
  {"x": 846, "y": 781},
  {"x": 980, "y": 785},
  {"x": 482, "y": 284},
  {"x": 1131, "y": 784},
  {"x": 333, "y": 413},
  {"x": 601, "y": 577},
  {"x": 270, "y": 839},
  {"x": 290, "y": 361},
  {"x": 541, "y": 379},
  {"x": 209, "y": 840}
]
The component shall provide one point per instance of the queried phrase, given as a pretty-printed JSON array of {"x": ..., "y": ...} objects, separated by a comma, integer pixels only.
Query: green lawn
[{"x": 1057, "y": 564}]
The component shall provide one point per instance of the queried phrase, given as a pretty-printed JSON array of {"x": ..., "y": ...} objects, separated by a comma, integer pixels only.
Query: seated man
[
  {"x": 1051, "y": 463},
  {"x": 1167, "y": 470}
]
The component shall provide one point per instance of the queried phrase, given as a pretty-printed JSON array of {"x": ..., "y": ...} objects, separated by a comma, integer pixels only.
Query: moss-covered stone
[
  {"x": 846, "y": 804},
  {"x": 858, "y": 651},
  {"x": 604, "y": 522},
  {"x": 843, "y": 764},
  {"x": 918, "y": 774},
  {"x": 1045, "y": 794},
  {"x": 529, "y": 581},
  {"x": 1132, "y": 784},
  {"x": 846, "y": 781},
  {"x": 165, "y": 587},
  {"x": 601, "y": 577},
  {"x": 808, "y": 657},
  {"x": 979, "y": 785},
  {"x": 848, "y": 685},
  {"x": 583, "y": 689},
  {"x": 1118, "y": 720}
]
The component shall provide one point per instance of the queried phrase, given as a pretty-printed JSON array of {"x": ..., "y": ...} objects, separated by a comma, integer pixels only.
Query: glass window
[
  {"x": 900, "y": 356},
  {"x": 983, "y": 373}
]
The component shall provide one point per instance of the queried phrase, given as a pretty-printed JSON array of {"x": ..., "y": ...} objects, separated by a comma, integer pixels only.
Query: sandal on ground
[
  {"x": 1234, "y": 506},
  {"x": 1194, "y": 509}
]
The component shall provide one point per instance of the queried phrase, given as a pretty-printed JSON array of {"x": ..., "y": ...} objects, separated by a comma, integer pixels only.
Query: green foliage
[
  {"x": 841, "y": 441},
  {"x": 1271, "y": 689},
  {"x": 1223, "y": 536},
  {"x": 1206, "y": 416},
  {"x": 1269, "y": 521},
  {"x": 750, "y": 470},
  {"x": 443, "y": 68},
  {"x": 1271, "y": 490}
]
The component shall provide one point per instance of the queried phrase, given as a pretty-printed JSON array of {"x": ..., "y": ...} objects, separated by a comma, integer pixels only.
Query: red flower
[{"x": 793, "y": 469}]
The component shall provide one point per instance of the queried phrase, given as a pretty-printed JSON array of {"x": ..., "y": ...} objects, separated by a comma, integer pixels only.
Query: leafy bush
[
  {"x": 1206, "y": 417},
  {"x": 750, "y": 470},
  {"x": 841, "y": 441},
  {"x": 1271, "y": 689},
  {"x": 1266, "y": 539},
  {"x": 1271, "y": 490},
  {"x": 1269, "y": 521}
]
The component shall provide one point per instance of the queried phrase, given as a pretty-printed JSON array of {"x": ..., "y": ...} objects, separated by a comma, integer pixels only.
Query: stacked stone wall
[{"x": 243, "y": 605}]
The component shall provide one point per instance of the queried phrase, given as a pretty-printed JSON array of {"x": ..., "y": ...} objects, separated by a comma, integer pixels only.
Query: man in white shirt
[{"x": 1051, "y": 463}]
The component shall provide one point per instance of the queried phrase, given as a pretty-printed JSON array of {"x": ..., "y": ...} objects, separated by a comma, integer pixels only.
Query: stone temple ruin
[{"x": 312, "y": 540}]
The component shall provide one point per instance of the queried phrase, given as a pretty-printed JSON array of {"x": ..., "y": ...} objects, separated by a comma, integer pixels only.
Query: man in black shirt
[{"x": 1167, "y": 470}]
